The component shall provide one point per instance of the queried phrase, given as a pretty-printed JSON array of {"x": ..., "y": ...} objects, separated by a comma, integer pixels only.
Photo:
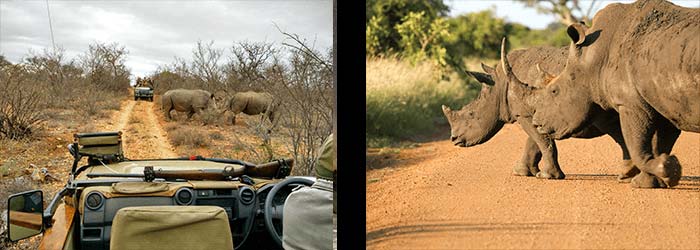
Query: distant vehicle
[
  {"x": 177, "y": 203},
  {"x": 143, "y": 93}
]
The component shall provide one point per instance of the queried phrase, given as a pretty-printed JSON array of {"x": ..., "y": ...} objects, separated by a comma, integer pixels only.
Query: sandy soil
[
  {"x": 144, "y": 132},
  {"x": 439, "y": 196}
]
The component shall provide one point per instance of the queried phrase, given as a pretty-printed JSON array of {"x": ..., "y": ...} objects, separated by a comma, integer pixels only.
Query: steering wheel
[{"x": 275, "y": 211}]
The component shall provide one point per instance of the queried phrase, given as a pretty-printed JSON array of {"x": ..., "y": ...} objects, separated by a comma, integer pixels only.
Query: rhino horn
[
  {"x": 504, "y": 60},
  {"x": 506, "y": 66}
]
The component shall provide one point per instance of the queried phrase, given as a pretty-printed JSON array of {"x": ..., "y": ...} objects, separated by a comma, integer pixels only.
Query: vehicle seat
[
  {"x": 105, "y": 146},
  {"x": 171, "y": 227}
]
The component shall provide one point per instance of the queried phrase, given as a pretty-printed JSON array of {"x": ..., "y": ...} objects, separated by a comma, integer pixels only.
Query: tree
[
  {"x": 422, "y": 38},
  {"x": 389, "y": 13},
  {"x": 205, "y": 65},
  {"x": 567, "y": 11},
  {"x": 246, "y": 68},
  {"x": 104, "y": 66},
  {"x": 475, "y": 34}
]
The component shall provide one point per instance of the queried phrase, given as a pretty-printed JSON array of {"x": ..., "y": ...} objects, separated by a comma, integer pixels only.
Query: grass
[
  {"x": 190, "y": 137},
  {"x": 404, "y": 101}
]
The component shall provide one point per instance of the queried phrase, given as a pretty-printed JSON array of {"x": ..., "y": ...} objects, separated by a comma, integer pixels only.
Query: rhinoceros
[
  {"x": 641, "y": 60},
  {"x": 186, "y": 100},
  {"x": 496, "y": 105},
  {"x": 253, "y": 103}
]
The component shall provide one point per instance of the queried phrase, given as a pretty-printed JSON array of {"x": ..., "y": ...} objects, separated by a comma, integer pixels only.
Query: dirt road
[
  {"x": 143, "y": 136},
  {"x": 439, "y": 196}
]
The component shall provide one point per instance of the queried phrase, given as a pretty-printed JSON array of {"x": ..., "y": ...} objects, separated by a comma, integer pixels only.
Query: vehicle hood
[{"x": 136, "y": 167}]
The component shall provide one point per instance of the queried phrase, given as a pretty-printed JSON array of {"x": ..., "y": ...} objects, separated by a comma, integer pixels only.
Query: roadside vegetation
[
  {"x": 299, "y": 76},
  {"x": 46, "y": 98},
  {"x": 417, "y": 56}
]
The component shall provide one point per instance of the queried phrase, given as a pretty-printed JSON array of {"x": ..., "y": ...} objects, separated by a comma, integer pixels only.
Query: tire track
[{"x": 143, "y": 137}]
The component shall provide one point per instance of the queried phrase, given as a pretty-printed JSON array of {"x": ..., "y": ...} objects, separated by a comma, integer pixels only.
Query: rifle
[{"x": 274, "y": 169}]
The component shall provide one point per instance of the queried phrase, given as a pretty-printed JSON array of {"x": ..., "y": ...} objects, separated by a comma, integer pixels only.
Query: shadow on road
[
  {"x": 377, "y": 160},
  {"x": 410, "y": 231},
  {"x": 689, "y": 183}
]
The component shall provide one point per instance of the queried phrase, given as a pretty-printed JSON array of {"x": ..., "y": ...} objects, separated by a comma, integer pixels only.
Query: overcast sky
[
  {"x": 515, "y": 11},
  {"x": 156, "y": 31}
]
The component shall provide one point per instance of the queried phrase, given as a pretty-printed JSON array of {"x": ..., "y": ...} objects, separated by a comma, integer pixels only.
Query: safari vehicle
[
  {"x": 180, "y": 203},
  {"x": 143, "y": 93}
]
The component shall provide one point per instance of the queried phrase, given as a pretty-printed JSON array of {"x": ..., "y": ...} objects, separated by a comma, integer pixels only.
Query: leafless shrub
[
  {"x": 216, "y": 136},
  {"x": 245, "y": 69},
  {"x": 306, "y": 91},
  {"x": 104, "y": 66},
  {"x": 190, "y": 137},
  {"x": 253, "y": 152},
  {"x": 20, "y": 104},
  {"x": 210, "y": 116},
  {"x": 205, "y": 65},
  {"x": 302, "y": 83}
]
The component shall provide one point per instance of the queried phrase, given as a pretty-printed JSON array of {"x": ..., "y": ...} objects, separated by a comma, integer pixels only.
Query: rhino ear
[
  {"x": 482, "y": 78},
  {"x": 445, "y": 108},
  {"x": 577, "y": 33},
  {"x": 489, "y": 70}
]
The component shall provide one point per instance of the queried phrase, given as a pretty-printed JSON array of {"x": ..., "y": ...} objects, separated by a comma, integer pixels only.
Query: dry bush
[
  {"x": 47, "y": 81},
  {"x": 20, "y": 104},
  {"x": 302, "y": 83},
  {"x": 190, "y": 137},
  {"x": 171, "y": 127},
  {"x": 210, "y": 116},
  {"x": 216, "y": 136}
]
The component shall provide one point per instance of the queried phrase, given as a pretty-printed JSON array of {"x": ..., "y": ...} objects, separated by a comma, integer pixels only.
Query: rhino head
[
  {"x": 562, "y": 107},
  {"x": 479, "y": 120}
]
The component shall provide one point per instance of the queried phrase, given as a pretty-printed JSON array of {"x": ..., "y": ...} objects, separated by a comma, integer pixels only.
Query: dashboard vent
[
  {"x": 184, "y": 196},
  {"x": 247, "y": 195}
]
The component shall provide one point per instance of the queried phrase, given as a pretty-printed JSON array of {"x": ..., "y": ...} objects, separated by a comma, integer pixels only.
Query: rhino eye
[{"x": 555, "y": 91}]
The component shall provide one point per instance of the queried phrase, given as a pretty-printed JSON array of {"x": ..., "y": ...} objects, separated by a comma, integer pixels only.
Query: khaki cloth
[
  {"x": 308, "y": 218},
  {"x": 171, "y": 227}
]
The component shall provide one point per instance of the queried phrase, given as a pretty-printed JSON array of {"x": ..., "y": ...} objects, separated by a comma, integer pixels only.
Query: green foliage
[
  {"x": 521, "y": 36},
  {"x": 403, "y": 100},
  {"x": 375, "y": 33},
  {"x": 422, "y": 39},
  {"x": 475, "y": 34},
  {"x": 392, "y": 12}
]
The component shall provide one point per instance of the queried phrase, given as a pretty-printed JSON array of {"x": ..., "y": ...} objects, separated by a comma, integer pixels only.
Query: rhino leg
[
  {"x": 233, "y": 119},
  {"x": 646, "y": 180},
  {"x": 638, "y": 127},
  {"x": 190, "y": 114},
  {"x": 550, "y": 164},
  {"x": 167, "y": 114},
  {"x": 627, "y": 169},
  {"x": 527, "y": 166},
  {"x": 662, "y": 144}
]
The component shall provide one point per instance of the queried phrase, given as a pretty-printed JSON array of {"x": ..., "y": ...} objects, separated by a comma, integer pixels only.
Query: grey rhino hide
[
  {"x": 186, "y": 100},
  {"x": 479, "y": 120},
  {"x": 253, "y": 103},
  {"x": 471, "y": 120},
  {"x": 496, "y": 105},
  {"x": 641, "y": 60}
]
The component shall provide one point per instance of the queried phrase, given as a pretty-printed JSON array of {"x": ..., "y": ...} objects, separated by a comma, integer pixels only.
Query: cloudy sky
[
  {"x": 156, "y": 31},
  {"x": 515, "y": 11}
]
